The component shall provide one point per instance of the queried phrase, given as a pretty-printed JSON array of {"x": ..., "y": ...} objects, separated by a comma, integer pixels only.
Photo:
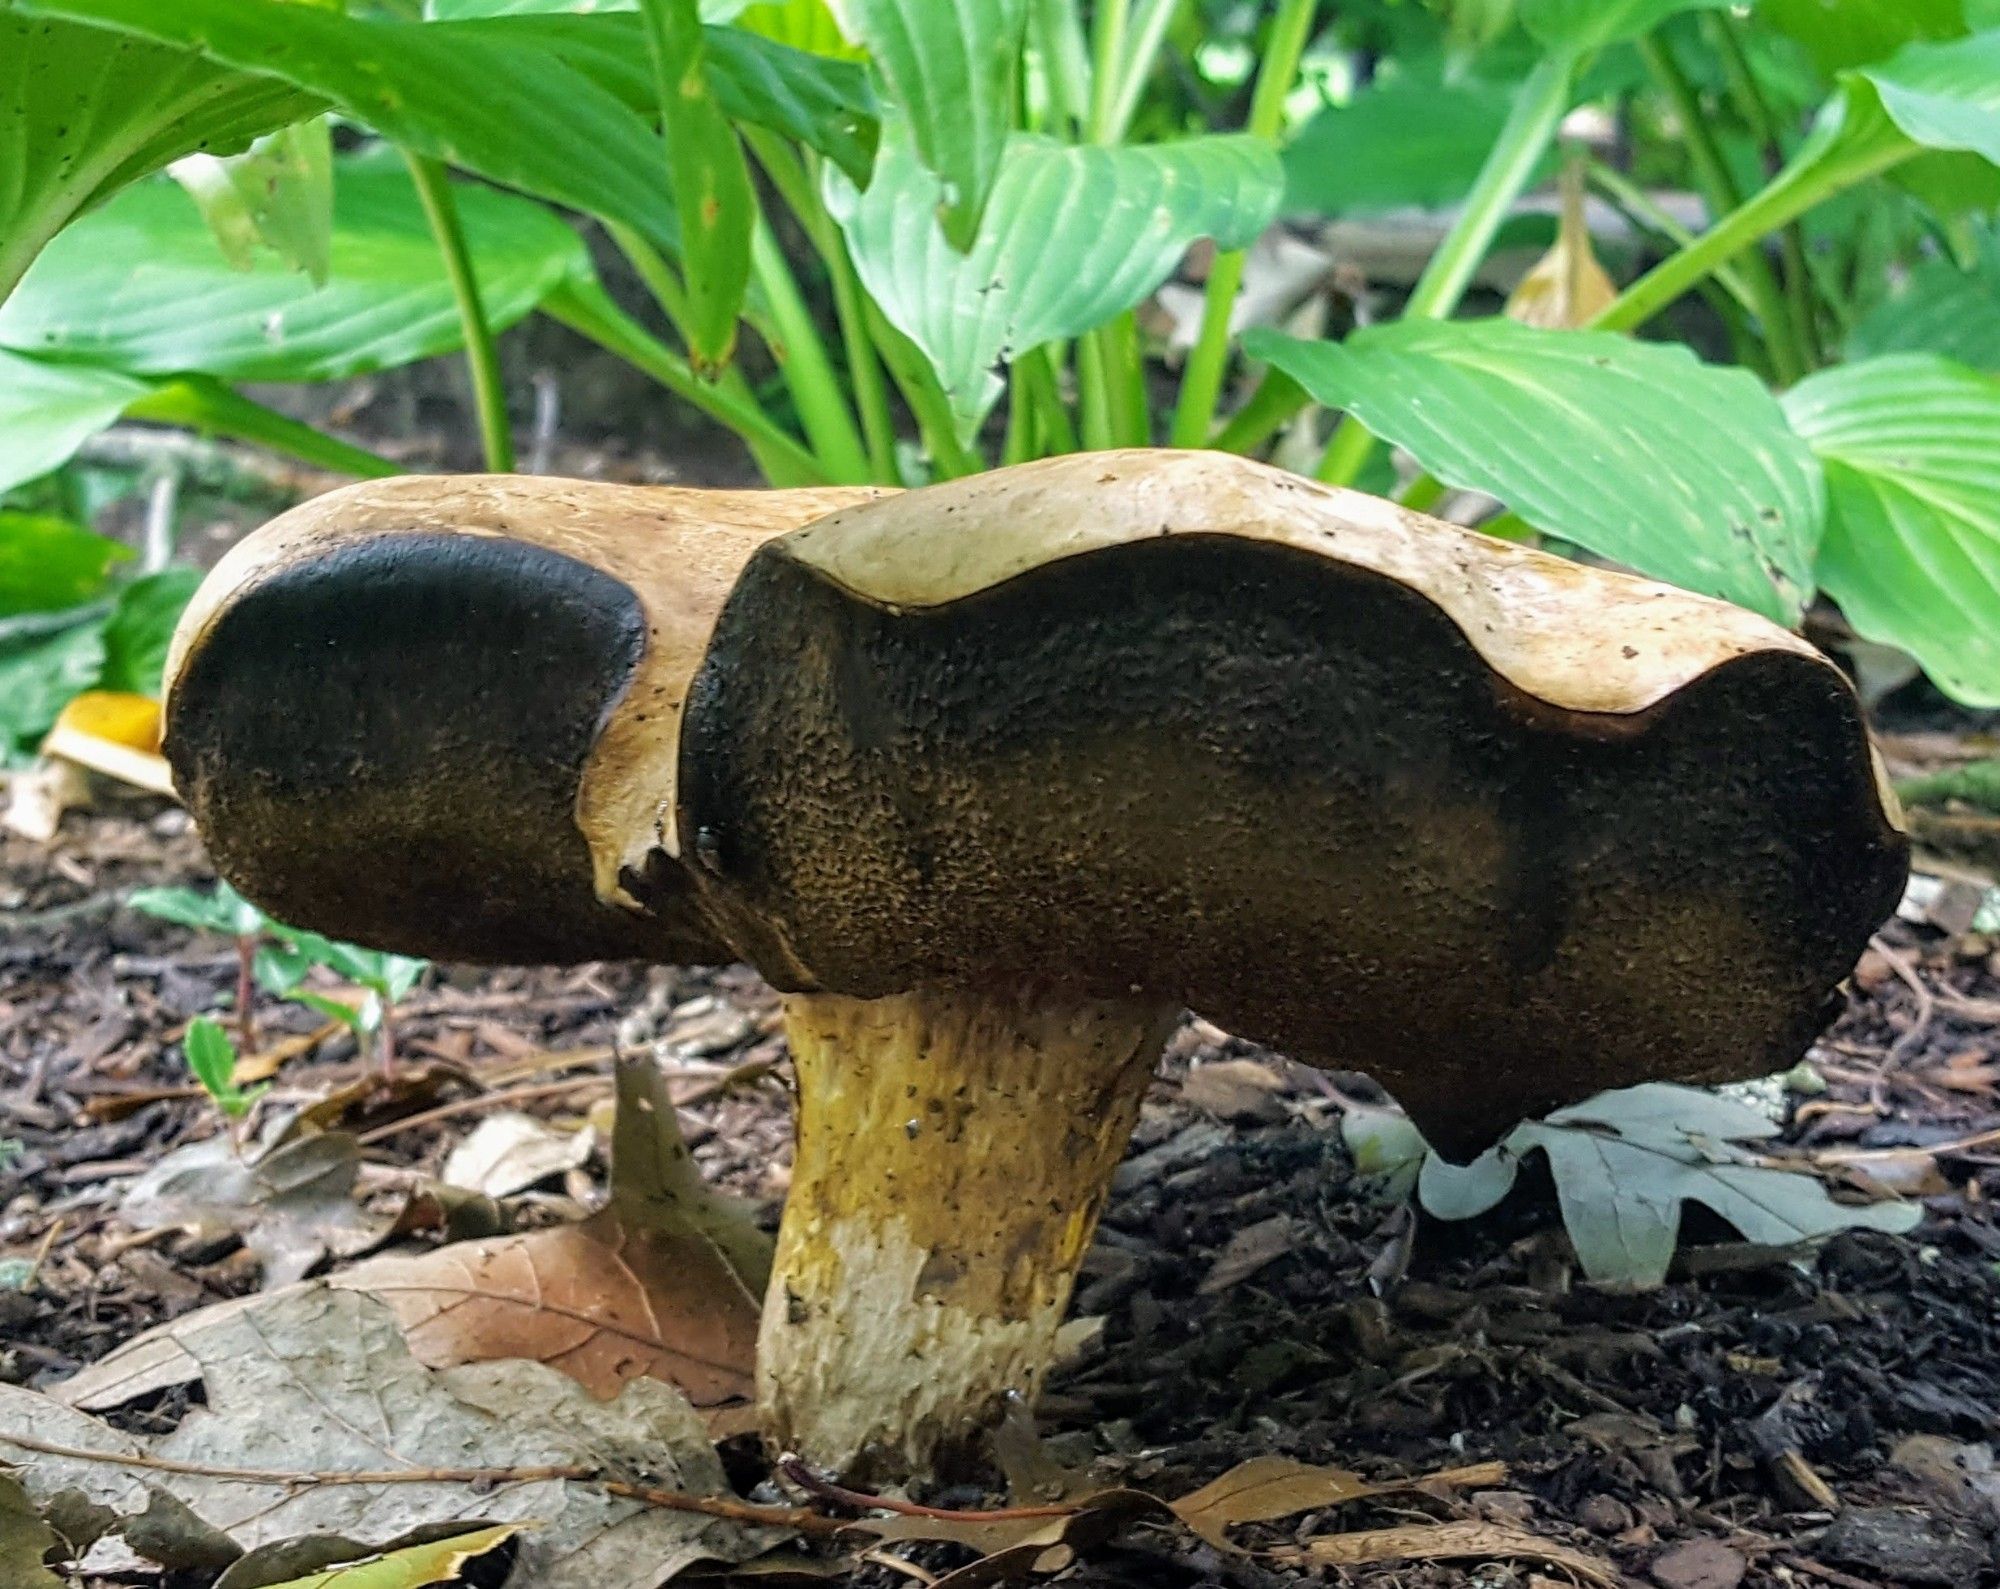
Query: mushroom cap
[
  {"x": 425, "y": 713},
  {"x": 1500, "y": 829}
]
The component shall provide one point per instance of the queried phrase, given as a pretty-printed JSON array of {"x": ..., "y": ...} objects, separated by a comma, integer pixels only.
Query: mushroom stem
[{"x": 953, "y": 1155}]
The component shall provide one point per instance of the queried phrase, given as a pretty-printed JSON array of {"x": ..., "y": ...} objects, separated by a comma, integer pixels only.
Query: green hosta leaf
[
  {"x": 117, "y": 288},
  {"x": 38, "y": 679},
  {"x": 1072, "y": 237},
  {"x": 1637, "y": 451},
  {"x": 808, "y": 25},
  {"x": 466, "y": 10},
  {"x": 141, "y": 626},
  {"x": 1841, "y": 33},
  {"x": 47, "y": 562},
  {"x": 1945, "y": 96},
  {"x": 711, "y": 181},
  {"x": 86, "y": 112},
  {"x": 47, "y": 411},
  {"x": 951, "y": 67},
  {"x": 1582, "y": 25},
  {"x": 1911, "y": 446},
  {"x": 826, "y": 105},
  {"x": 1940, "y": 309},
  {"x": 1626, "y": 1162},
  {"x": 1404, "y": 140},
  {"x": 277, "y": 193},
  {"x": 410, "y": 1568},
  {"x": 477, "y": 94}
]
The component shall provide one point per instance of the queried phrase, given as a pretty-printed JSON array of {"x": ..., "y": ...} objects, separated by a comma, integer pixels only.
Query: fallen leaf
[
  {"x": 1458, "y": 1541},
  {"x": 293, "y": 1204},
  {"x": 1249, "y": 1250},
  {"x": 1567, "y": 286},
  {"x": 510, "y": 1151},
  {"x": 25, "y": 1541},
  {"x": 413, "y": 1567},
  {"x": 38, "y": 796},
  {"x": 666, "y": 1282},
  {"x": 1239, "y": 1090},
  {"x": 318, "y": 1381},
  {"x": 1266, "y": 1488}
]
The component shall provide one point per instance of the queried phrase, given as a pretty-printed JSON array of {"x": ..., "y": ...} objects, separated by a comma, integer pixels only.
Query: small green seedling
[
  {"x": 279, "y": 958},
  {"x": 212, "y": 1058}
]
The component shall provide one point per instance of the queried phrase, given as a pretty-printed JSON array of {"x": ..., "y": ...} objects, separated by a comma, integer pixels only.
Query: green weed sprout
[{"x": 212, "y": 1058}]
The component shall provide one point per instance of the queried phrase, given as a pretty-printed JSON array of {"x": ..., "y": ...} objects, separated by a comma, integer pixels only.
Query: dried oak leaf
[
  {"x": 319, "y": 1381},
  {"x": 664, "y": 1283}
]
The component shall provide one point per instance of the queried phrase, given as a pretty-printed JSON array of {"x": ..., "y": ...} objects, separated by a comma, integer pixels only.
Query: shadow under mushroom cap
[{"x": 1286, "y": 788}]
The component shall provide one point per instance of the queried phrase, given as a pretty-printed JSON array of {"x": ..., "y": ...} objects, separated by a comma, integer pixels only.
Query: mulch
[{"x": 1767, "y": 1418}]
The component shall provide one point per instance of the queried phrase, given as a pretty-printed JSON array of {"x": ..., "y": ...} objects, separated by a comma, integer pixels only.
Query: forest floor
[{"x": 1767, "y": 1418}]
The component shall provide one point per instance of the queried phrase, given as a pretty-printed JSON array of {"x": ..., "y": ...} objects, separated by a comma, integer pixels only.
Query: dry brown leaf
[
  {"x": 666, "y": 1282},
  {"x": 1266, "y": 1488},
  {"x": 510, "y": 1151},
  {"x": 604, "y": 1303},
  {"x": 1567, "y": 286},
  {"x": 1250, "y": 1249},
  {"x": 1458, "y": 1541}
]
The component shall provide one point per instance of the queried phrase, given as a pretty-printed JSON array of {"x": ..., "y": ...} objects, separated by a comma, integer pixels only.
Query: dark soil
[{"x": 1790, "y": 1418}]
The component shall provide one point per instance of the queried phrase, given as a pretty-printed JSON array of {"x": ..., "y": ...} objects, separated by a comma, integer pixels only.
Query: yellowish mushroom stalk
[{"x": 953, "y": 1156}]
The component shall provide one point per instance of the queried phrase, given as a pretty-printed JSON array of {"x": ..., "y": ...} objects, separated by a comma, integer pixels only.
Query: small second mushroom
[{"x": 994, "y": 778}]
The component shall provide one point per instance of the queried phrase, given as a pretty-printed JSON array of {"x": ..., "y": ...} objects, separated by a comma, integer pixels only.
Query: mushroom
[{"x": 991, "y": 780}]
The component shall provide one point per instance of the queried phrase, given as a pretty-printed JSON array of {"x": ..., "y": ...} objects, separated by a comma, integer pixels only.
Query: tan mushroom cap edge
[{"x": 679, "y": 549}]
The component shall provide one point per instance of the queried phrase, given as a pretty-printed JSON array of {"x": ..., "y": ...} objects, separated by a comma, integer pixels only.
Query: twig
[
  {"x": 1926, "y": 1004},
  {"x": 803, "y": 1521},
  {"x": 795, "y": 1470},
  {"x": 485, "y": 1100}
]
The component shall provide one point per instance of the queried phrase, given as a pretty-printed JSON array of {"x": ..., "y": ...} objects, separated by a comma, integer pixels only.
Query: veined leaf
[
  {"x": 1582, "y": 25},
  {"x": 467, "y": 10},
  {"x": 1945, "y": 96},
  {"x": 1911, "y": 445},
  {"x": 1940, "y": 309},
  {"x": 141, "y": 627},
  {"x": 710, "y": 178},
  {"x": 1072, "y": 237},
  {"x": 38, "y": 680},
  {"x": 1635, "y": 450},
  {"x": 826, "y": 105},
  {"x": 141, "y": 287},
  {"x": 950, "y": 66},
  {"x": 47, "y": 562},
  {"x": 87, "y": 112},
  {"x": 47, "y": 411},
  {"x": 477, "y": 94},
  {"x": 277, "y": 193}
]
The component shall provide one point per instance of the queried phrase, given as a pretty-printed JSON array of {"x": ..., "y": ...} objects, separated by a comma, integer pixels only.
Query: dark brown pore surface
[
  {"x": 384, "y": 743},
  {"x": 1292, "y": 795}
]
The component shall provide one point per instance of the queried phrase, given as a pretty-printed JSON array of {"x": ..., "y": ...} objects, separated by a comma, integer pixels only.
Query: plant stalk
[
  {"x": 1532, "y": 124},
  {"x": 808, "y": 372},
  {"x": 1719, "y": 188},
  {"x": 482, "y": 357},
  {"x": 1812, "y": 178},
  {"x": 1108, "y": 26},
  {"x": 1201, "y": 381},
  {"x": 588, "y": 310},
  {"x": 202, "y": 403}
]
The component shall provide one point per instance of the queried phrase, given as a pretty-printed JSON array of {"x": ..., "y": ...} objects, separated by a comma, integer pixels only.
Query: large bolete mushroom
[{"x": 992, "y": 779}]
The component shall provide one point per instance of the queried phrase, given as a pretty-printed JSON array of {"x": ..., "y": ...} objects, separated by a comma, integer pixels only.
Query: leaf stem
[
  {"x": 1137, "y": 67},
  {"x": 1816, "y": 173},
  {"x": 1107, "y": 50},
  {"x": 1201, "y": 380},
  {"x": 1718, "y": 187},
  {"x": 918, "y": 383},
  {"x": 202, "y": 403},
  {"x": 802, "y": 356},
  {"x": 482, "y": 357},
  {"x": 588, "y": 310},
  {"x": 1537, "y": 113}
]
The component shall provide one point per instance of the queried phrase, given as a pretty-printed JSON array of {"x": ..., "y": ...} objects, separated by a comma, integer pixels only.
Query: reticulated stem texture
[{"x": 953, "y": 1156}]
